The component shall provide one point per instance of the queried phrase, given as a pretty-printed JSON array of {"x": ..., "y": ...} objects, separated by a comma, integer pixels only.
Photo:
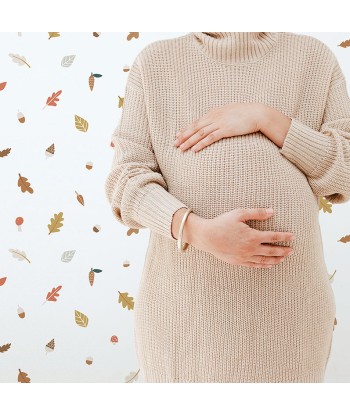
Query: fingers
[
  {"x": 206, "y": 133},
  {"x": 273, "y": 236},
  {"x": 273, "y": 250}
]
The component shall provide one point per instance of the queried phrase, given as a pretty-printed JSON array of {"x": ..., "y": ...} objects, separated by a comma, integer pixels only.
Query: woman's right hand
[{"x": 229, "y": 238}]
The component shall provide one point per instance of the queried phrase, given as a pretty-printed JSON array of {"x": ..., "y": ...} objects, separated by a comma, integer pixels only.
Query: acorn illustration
[
  {"x": 126, "y": 68},
  {"x": 21, "y": 312},
  {"x": 89, "y": 360},
  {"x": 96, "y": 34},
  {"x": 126, "y": 263},
  {"x": 96, "y": 228},
  {"x": 335, "y": 322},
  {"x": 50, "y": 346},
  {"x": 21, "y": 117},
  {"x": 50, "y": 151},
  {"x": 89, "y": 165},
  {"x": 114, "y": 340},
  {"x": 19, "y": 222}
]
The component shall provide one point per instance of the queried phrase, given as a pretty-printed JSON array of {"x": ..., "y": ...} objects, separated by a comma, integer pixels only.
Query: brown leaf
[
  {"x": 345, "y": 43},
  {"x": 23, "y": 377},
  {"x": 344, "y": 239},
  {"x": 5, "y": 347},
  {"x": 56, "y": 222},
  {"x": 325, "y": 205},
  {"x": 80, "y": 198},
  {"x": 4, "y": 153},
  {"x": 24, "y": 184}
]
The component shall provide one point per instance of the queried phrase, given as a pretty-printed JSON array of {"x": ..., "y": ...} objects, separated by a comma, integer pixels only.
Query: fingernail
[
  {"x": 290, "y": 253},
  {"x": 176, "y": 142}
]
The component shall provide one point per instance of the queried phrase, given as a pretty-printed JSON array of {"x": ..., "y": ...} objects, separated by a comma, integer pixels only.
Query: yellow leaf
[
  {"x": 126, "y": 300},
  {"x": 81, "y": 319},
  {"x": 81, "y": 124},
  {"x": 325, "y": 205},
  {"x": 55, "y": 222}
]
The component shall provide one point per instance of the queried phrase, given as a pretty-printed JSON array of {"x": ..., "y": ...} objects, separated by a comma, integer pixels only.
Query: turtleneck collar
[{"x": 235, "y": 47}]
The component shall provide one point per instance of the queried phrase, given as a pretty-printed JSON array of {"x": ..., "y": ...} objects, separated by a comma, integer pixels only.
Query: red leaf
[
  {"x": 2, "y": 281},
  {"x": 51, "y": 296},
  {"x": 54, "y": 97}
]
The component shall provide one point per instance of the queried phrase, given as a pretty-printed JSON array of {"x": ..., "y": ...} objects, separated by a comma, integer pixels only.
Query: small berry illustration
[
  {"x": 19, "y": 222},
  {"x": 114, "y": 340}
]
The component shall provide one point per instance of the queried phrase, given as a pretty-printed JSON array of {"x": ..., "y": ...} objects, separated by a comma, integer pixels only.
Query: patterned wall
[{"x": 68, "y": 271}]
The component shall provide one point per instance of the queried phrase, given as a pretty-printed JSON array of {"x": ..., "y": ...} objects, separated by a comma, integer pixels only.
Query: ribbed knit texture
[{"x": 198, "y": 318}]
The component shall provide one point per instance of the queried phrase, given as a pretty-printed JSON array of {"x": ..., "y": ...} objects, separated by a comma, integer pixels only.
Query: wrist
[
  {"x": 263, "y": 115},
  {"x": 192, "y": 232}
]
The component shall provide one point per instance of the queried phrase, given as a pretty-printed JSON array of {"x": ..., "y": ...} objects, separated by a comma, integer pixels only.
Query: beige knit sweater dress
[{"x": 196, "y": 317}]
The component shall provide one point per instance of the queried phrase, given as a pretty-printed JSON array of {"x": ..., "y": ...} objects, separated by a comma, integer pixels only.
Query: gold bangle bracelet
[{"x": 182, "y": 224}]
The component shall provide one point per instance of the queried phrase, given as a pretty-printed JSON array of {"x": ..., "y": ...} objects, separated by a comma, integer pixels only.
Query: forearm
[{"x": 273, "y": 124}]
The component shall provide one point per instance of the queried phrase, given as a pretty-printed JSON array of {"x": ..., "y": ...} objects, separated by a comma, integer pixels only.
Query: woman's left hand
[{"x": 221, "y": 122}]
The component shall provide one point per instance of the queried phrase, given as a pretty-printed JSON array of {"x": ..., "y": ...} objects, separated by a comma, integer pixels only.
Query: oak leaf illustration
[
  {"x": 51, "y": 101},
  {"x": 344, "y": 239},
  {"x": 56, "y": 222},
  {"x": 345, "y": 43},
  {"x": 81, "y": 124},
  {"x": 126, "y": 300},
  {"x": 5, "y": 152},
  {"x": 20, "y": 255},
  {"x": 5, "y": 347},
  {"x": 53, "y": 294},
  {"x": 21, "y": 60},
  {"x": 23, "y": 377},
  {"x": 24, "y": 184},
  {"x": 81, "y": 319},
  {"x": 133, "y": 35},
  {"x": 325, "y": 205},
  {"x": 53, "y": 34}
]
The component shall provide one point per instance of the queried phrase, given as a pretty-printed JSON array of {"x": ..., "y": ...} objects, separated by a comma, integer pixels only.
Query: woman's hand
[
  {"x": 221, "y": 122},
  {"x": 230, "y": 239}
]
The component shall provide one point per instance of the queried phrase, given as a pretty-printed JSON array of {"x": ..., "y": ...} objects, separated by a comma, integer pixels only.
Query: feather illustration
[
  {"x": 21, "y": 60},
  {"x": 20, "y": 255}
]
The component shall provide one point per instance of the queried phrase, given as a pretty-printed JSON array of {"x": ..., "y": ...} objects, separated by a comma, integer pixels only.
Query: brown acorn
[
  {"x": 21, "y": 117},
  {"x": 96, "y": 228},
  {"x": 89, "y": 360},
  {"x": 21, "y": 312},
  {"x": 89, "y": 165},
  {"x": 96, "y": 34}
]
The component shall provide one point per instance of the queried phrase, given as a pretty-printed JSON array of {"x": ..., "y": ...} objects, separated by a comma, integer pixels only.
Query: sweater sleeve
[
  {"x": 135, "y": 187},
  {"x": 324, "y": 156}
]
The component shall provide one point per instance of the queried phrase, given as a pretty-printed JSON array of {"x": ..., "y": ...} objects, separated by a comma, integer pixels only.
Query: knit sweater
[{"x": 196, "y": 317}]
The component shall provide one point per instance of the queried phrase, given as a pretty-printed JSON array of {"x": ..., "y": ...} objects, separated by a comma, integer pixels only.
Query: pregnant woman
[{"x": 264, "y": 122}]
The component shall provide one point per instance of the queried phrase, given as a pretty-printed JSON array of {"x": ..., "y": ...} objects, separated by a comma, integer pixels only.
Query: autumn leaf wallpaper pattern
[{"x": 69, "y": 272}]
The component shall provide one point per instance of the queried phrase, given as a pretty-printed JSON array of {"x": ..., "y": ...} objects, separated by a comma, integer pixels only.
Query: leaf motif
[
  {"x": 132, "y": 376},
  {"x": 5, "y": 347},
  {"x": 56, "y": 223},
  {"x": 53, "y": 294},
  {"x": 23, "y": 377},
  {"x": 80, "y": 198},
  {"x": 2, "y": 281},
  {"x": 344, "y": 239},
  {"x": 96, "y": 75},
  {"x": 126, "y": 300},
  {"x": 52, "y": 99},
  {"x": 67, "y": 256},
  {"x": 325, "y": 205},
  {"x": 20, "y": 255},
  {"x": 81, "y": 124},
  {"x": 53, "y": 34},
  {"x": 81, "y": 319},
  {"x": 2, "y": 85},
  {"x": 24, "y": 184},
  {"x": 345, "y": 43},
  {"x": 20, "y": 60},
  {"x": 67, "y": 60},
  {"x": 5, "y": 152}
]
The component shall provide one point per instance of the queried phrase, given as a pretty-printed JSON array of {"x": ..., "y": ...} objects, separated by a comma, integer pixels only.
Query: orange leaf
[
  {"x": 2, "y": 281},
  {"x": 51, "y": 296}
]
